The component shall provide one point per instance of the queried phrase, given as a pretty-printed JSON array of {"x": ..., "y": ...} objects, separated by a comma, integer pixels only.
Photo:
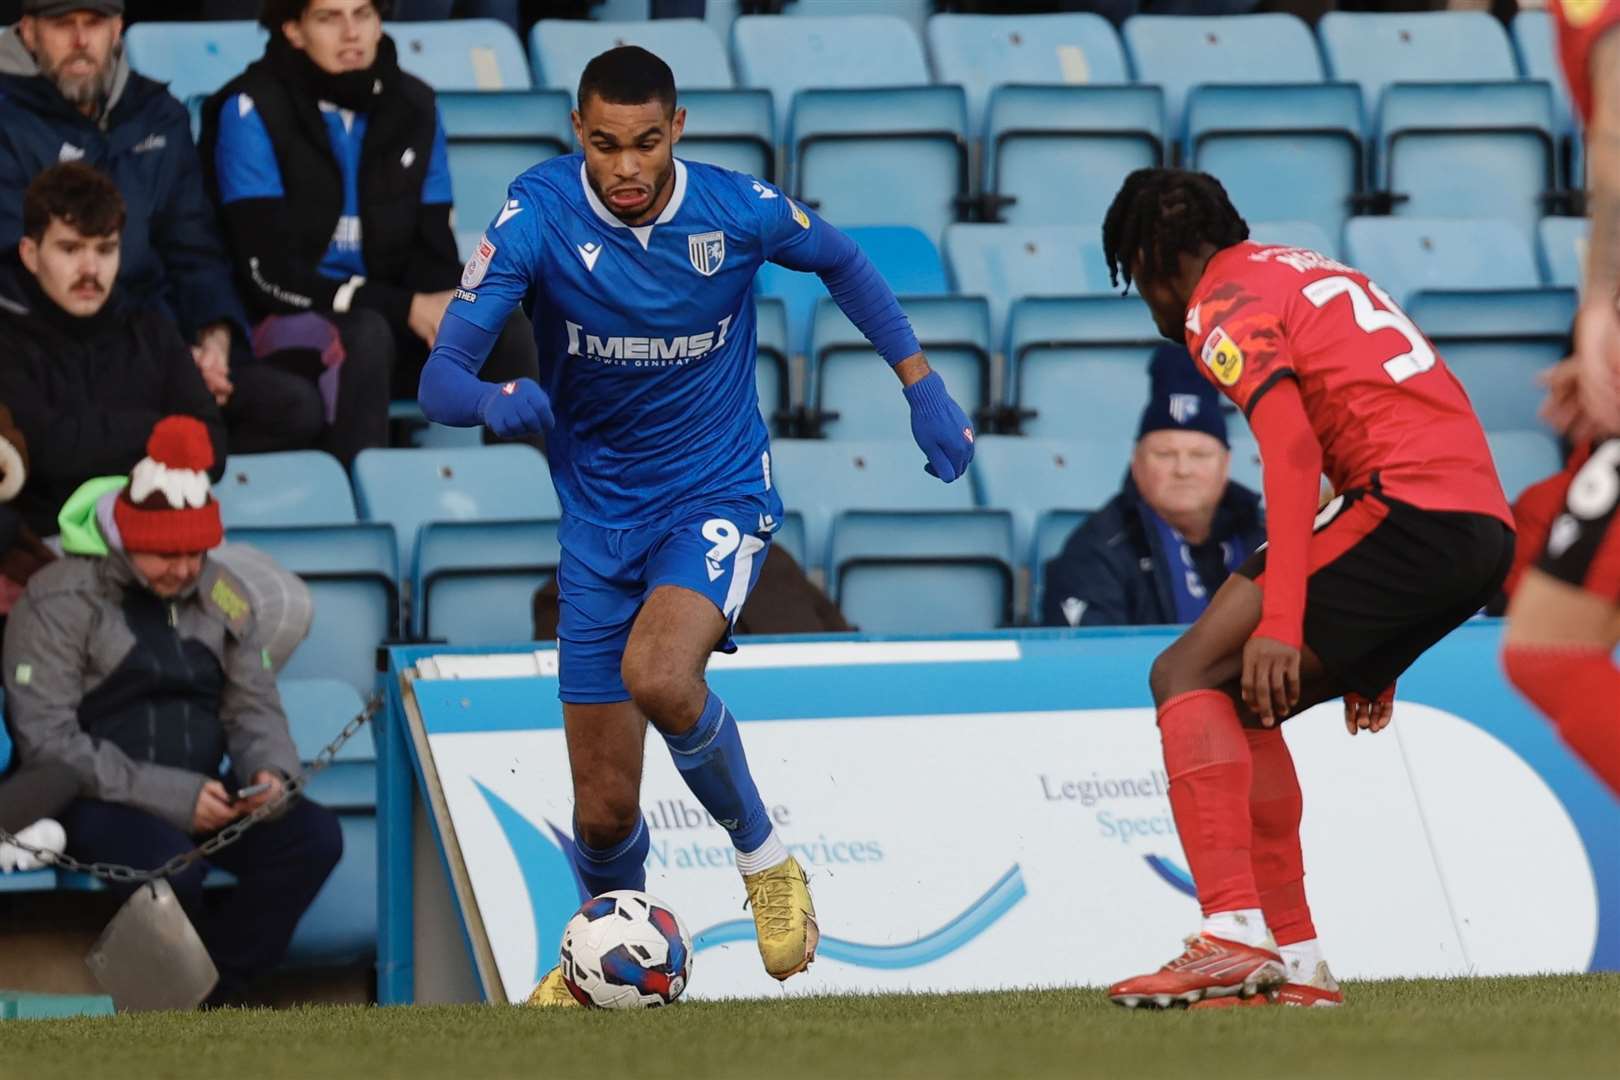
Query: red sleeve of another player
[
  {"x": 1293, "y": 458},
  {"x": 1245, "y": 352}
]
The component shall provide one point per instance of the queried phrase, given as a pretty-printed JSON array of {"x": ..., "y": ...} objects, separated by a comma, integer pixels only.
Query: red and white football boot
[
  {"x": 1321, "y": 992},
  {"x": 1211, "y": 967}
]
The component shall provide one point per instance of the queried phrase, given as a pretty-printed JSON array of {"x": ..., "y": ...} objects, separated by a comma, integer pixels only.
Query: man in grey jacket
[{"x": 136, "y": 661}]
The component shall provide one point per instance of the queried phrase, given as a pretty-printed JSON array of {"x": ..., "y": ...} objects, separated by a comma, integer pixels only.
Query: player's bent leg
[
  {"x": 663, "y": 670},
  {"x": 1558, "y": 652}
]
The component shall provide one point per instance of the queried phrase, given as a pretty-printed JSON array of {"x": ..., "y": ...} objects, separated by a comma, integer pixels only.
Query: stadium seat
[
  {"x": 1404, "y": 255},
  {"x": 1302, "y": 234},
  {"x": 1469, "y": 150},
  {"x": 1180, "y": 52},
  {"x": 789, "y": 537},
  {"x": 1534, "y": 41},
  {"x": 317, "y": 711},
  {"x": 881, "y": 156},
  {"x": 1077, "y": 365},
  {"x": 194, "y": 58},
  {"x": 1563, "y": 250},
  {"x": 1282, "y": 152},
  {"x": 1498, "y": 341},
  {"x": 923, "y": 572},
  {"x": 1004, "y": 262},
  {"x": 1052, "y": 531},
  {"x": 914, "y": 12},
  {"x": 1245, "y": 465},
  {"x": 1522, "y": 458},
  {"x": 1055, "y": 155},
  {"x": 475, "y": 580},
  {"x": 296, "y": 487},
  {"x": 495, "y": 136},
  {"x": 788, "y": 55},
  {"x": 694, "y": 52},
  {"x": 1027, "y": 476},
  {"x": 820, "y": 478},
  {"x": 773, "y": 368},
  {"x": 462, "y": 54},
  {"x": 340, "y": 926},
  {"x": 1440, "y": 46},
  {"x": 853, "y": 393},
  {"x": 981, "y": 52},
  {"x": 352, "y": 572},
  {"x": 734, "y": 129}
]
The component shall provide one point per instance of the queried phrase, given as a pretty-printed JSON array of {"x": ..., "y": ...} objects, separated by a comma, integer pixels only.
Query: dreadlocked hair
[{"x": 1163, "y": 214}]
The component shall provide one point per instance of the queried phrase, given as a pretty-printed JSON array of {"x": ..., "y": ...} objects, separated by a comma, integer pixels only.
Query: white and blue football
[{"x": 626, "y": 950}]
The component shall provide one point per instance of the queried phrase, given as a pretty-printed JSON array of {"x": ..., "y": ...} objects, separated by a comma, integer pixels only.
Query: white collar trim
[{"x": 643, "y": 233}]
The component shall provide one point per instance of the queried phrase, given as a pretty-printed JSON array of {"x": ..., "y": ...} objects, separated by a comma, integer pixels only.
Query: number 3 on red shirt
[{"x": 1416, "y": 360}]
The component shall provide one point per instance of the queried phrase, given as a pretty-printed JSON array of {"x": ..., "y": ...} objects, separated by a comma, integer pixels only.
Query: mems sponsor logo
[{"x": 643, "y": 352}]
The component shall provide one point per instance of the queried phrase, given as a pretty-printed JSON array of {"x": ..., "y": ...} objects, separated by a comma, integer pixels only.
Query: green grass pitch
[{"x": 1548, "y": 1027}]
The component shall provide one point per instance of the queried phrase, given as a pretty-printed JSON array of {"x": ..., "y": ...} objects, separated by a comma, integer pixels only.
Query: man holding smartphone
[{"x": 136, "y": 662}]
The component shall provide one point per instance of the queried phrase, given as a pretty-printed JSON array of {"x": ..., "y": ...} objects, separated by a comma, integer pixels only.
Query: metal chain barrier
[{"x": 220, "y": 840}]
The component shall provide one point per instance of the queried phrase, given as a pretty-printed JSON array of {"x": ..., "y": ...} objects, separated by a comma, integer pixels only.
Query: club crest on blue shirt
[
  {"x": 1183, "y": 407},
  {"x": 707, "y": 251},
  {"x": 477, "y": 266}
]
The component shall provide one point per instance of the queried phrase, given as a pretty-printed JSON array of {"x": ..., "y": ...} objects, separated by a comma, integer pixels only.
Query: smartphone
[{"x": 252, "y": 790}]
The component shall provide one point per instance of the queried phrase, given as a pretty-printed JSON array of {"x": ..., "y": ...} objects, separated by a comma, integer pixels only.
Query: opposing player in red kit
[
  {"x": 1564, "y": 620},
  {"x": 1334, "y": 379}
]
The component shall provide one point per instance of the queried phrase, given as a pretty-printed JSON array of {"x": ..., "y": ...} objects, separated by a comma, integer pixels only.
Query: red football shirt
[
  {"x": 1580, "y": 24},
  {"x": 1382, "y": 404}
]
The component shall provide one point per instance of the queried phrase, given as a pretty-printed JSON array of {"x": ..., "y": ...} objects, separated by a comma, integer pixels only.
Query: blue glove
[
  {"x": 940, "y": 427},
  {"x": 516, "y": 408}
]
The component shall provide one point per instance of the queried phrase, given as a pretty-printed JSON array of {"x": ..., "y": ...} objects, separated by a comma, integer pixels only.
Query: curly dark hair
[
  {"x": 77, "y": 194},
  {"x": 1163, "y": 214},
  {"x": 272, "y": 13}
]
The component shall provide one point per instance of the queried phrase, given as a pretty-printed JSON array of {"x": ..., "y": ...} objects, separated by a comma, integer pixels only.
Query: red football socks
[
  {"x": 1578, "y": 689},
  {"x": 1275, "y": 808},
  {"x": 1207, "y": 758}
]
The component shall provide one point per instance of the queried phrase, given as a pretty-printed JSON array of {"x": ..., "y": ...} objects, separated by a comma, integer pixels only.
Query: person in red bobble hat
[{"x": 136, "y": 661}]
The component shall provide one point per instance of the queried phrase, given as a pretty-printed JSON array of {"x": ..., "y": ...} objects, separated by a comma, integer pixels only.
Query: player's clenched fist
[
  {"x": 940, "y": 427},
  {"x": 517, "y": 408}
]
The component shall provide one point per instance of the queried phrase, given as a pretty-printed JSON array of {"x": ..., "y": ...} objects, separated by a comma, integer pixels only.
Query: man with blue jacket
[{"x": 1161, "y": 547}]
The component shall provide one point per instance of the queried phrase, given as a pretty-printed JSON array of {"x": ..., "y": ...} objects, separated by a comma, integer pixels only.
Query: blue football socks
[
  {"x": 711, "y": 760},
  {"x": 622, "y": 866}
]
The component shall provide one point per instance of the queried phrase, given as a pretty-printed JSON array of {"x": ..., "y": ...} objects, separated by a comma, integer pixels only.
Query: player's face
[
  {"x": 74, "y": 51},
  {"x": 630, "y": 155},
  {"x": 74, "y": 270},
  {"x": 1180, "y": 473},
  {"x": 337, "y": 35}
]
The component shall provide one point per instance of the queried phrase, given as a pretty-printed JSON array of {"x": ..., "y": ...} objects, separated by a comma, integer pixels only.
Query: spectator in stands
[
  {"x": 137, "y": 661},
  {"x": 21, "y": 553},
  {"x": 67, "y": 93},
  {"x": 1161, "y": 547},
  {"x": 331, "y": 165}
]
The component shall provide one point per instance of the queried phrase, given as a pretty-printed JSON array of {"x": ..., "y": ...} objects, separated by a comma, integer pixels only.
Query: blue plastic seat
[
  {"x": 1283, "y": 152},
  {"x": 855, "y": 395},
  {"x": 1028, "y": 476},
  {"x": 694, "y": 52},
  {"x": 1077, "y": 366},
  {"x": 1469, "y": 150},
  {"x": 317, "y": 711},
  {"x": 773, "y": 365},
  {"x": 409, "y": 488},
  {"x": 1180, "y": 52},
  {"x": 462, "y": 54},
  {"x": 1404, "y": 255},
  {"x": 1301, "y": 234},
  {"x": 194, "y": 58},
  {"x": 820, "y": 478},
  {"x": 1005, "y": 262},
  {"x": 923, "y": 572},
  {"x": 339, "y": 928},
  {"x": 881, "y": 156},
  {"x": 1052, "y": 531},
  {"x": 295, "y": 487},
  {"x": 1534, "y": 42},
  {"x": 494, "y": 136},
  {"x": 788, "y": 55},
  {"x": 1055, "y": 155},
  {"x": 982, "y": 52},
  {"x": 353, "y": 576},
  {"x": 1497, "y": 341},
  {"x": 1523, "y": 458},
  {"x": 475, "y": 580},
  {"x": 1563, "y": 250},
  {"x": 914, "y": 12},
  {"x": 735, "y": 129},
  {"x": 1438, "y": 46}
]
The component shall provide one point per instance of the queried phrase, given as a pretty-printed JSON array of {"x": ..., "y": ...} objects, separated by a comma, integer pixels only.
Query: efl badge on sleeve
[
  {"x": 477, "y": 266},
  {"x": 1223, "y": 356},
  {"x": 799, "y": 215},
  {"x": 707, "y": 251}
]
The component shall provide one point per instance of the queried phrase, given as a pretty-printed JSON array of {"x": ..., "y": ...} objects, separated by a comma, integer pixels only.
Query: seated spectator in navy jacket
[
  {"x": 139, "y": 663},
  {"x": 331, "y": 166},
  {"x": 1161, "y": 547}
]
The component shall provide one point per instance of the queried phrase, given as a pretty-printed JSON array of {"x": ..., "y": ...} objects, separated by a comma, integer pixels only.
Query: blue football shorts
[{"x": 714, "y": 547}]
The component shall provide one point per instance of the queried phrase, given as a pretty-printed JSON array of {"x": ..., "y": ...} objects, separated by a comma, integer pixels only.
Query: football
[{"x": 626, "y": 950}]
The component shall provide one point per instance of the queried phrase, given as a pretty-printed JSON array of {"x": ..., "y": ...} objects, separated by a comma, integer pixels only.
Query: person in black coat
[
  {"x": 1161, "y": 547},
  {"x": 331, "y": 166}
]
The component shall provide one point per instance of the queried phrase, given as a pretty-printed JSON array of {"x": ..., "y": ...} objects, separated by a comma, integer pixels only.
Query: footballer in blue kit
[{"x": 637, "y": 269}]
